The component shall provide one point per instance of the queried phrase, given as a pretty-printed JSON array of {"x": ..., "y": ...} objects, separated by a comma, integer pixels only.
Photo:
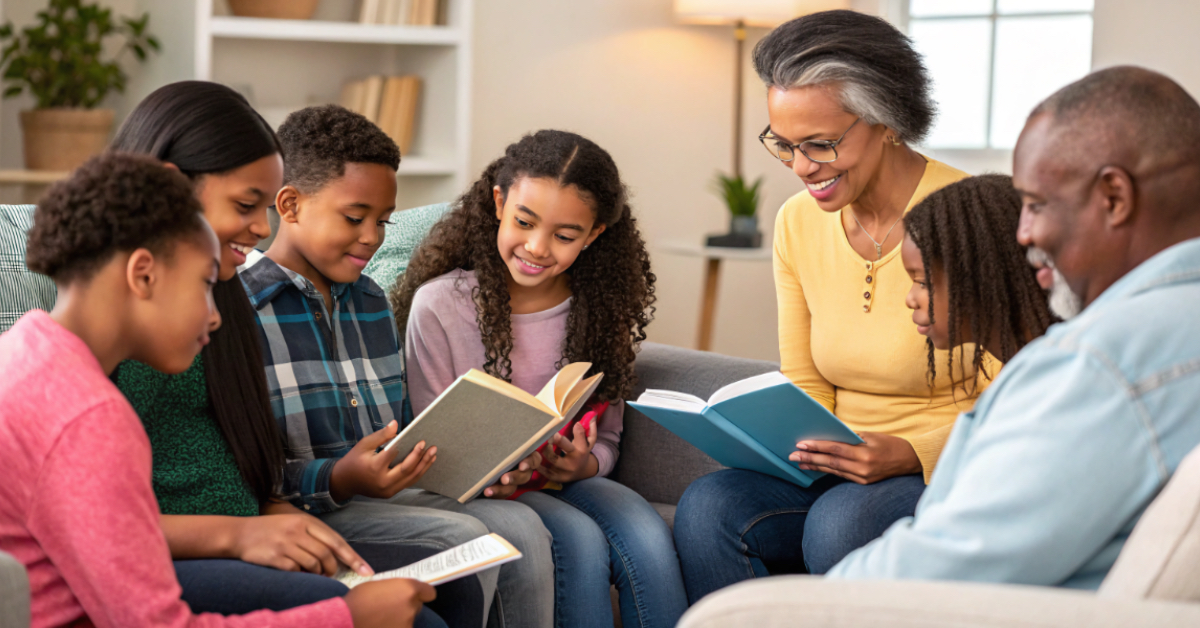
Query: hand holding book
[
  {"x": 879, "y": 457},
  {"x": 366, "y": 471}
]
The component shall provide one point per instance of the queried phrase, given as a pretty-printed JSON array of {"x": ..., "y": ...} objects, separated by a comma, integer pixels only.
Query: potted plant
[
  {"x": 742, "y": 201},
  {"x": 60, "y": 61}
]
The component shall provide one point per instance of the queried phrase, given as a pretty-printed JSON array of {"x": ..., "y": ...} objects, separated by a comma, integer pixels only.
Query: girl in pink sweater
[
  {"x": 134, "y": 261},
  {"x": 541, "y": 264}
]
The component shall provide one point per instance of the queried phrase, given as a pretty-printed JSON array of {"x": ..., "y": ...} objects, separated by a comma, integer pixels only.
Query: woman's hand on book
[
  {"x": 393, "y": 602},
  {"x": 508, "y": 483},
  {"x": 576, "y": 461},
  {"x": 295, "y": 542},
  {"x": 362, "y": 471},
  {"x": 879, "y": 457}
]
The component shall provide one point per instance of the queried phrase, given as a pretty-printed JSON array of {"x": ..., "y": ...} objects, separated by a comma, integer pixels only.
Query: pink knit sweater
[
  {"x": 78, "y": 508},
  {"x": 443, "y": 343}
]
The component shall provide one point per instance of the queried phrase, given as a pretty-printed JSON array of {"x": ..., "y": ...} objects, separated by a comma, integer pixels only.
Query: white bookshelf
[{"x": 285, "y": 65}]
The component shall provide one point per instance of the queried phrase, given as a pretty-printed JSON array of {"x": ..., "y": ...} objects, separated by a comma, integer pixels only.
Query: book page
[
  {"x": 469, "y": 558},
  {"x": 758, "y": 382},
  {"x": 580, "y": 395},
  {"x": 673, "y": 400},
  {"x": 554, "y": 393}
]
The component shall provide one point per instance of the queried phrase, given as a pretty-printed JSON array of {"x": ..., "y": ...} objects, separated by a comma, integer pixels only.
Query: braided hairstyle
[
  {"x": 612, "y": 286},
  {"x": 967, "y": 231}
]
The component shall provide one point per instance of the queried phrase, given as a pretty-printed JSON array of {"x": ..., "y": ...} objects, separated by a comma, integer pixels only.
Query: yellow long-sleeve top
[{"x": 848, "y": 340}]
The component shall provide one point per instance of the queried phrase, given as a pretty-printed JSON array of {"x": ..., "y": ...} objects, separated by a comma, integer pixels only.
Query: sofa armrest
[
  {"x": 654, "y": 462},
  {"x": 817, "y": 602},
  {"x": 14, "y": 593}
]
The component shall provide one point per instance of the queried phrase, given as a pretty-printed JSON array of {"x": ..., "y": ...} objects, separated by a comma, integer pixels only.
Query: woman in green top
[{"x": 218, "y": 453}]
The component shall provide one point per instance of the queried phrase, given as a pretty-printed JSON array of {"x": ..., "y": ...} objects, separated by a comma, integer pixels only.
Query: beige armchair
[{"x": 1155, "y": 582}]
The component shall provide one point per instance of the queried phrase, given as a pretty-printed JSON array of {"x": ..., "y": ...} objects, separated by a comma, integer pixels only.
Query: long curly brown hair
[
  {"x": 612, "y": 286},
  {"x": 968, "y": 231}
]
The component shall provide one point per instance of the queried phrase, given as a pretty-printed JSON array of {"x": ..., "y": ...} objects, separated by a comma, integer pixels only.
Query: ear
[
  {"x": 596, "y": 231},
  {"x": 141, "y": 273},
  {"x": 498, "y": 196},
  {"x": 1117, "y": 189},
  {"x": 287, "y": 203}
]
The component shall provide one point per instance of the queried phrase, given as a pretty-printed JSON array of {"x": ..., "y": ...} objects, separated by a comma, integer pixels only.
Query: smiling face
[
  {"x": 918, "y": 298},
  {"x": 337, "y": 229},
  {"x": 813, "y": 113},
  {"x": 543, "y": 228},
  {"x": 177, "y": 312},
  {"x": 235, "y": 204}
]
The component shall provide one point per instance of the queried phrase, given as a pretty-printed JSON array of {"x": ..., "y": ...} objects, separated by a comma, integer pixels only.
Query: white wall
[{"x": 1157, "y": 34}]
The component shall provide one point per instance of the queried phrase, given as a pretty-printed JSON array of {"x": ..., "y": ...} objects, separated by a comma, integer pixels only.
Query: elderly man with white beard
[{"x": 1043, "y": 481}]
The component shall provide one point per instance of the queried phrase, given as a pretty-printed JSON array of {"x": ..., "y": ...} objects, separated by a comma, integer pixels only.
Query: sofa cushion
[
  {"x": 654, "y": 462},
  {"x": 402, "y": 237},
  {"x": 14, "y": 593},
  {"x": 21, "y": 289},
  {"x": 1161, "y": 559}
]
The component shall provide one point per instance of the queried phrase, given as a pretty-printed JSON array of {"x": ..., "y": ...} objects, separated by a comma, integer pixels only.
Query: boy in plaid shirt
[{"x": 335, "y": 373}]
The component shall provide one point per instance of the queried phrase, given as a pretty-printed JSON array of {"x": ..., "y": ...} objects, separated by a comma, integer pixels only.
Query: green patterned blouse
[{"x": 194, "y": 469}]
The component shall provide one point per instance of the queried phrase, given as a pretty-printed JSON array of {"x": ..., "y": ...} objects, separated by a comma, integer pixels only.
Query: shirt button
[
  {"x": 868, "y": 265},
  {"x": 870, "y": 279},
  {"x": 318, "y": 316},
  {"x": 866, "y": 308},
  {"x": 354, "y": 402},
  {"x": 866, "y": 295},
  {"x": 307, "y": 507}
]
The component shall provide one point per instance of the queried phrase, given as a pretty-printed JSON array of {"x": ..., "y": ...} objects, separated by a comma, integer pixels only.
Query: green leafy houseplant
[
  {"x": 742, "y": 200},
  {"x": 60, "y": 60}
]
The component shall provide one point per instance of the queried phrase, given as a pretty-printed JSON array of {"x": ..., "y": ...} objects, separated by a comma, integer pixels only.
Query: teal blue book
[{"x": 752, "y": 424}]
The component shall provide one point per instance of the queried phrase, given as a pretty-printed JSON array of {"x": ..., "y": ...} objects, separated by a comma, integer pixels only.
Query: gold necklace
[{"x": 878, "y": 245}]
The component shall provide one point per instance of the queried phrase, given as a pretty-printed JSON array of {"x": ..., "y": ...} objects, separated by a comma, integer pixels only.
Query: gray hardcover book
[{"x": 483, "y": 427}]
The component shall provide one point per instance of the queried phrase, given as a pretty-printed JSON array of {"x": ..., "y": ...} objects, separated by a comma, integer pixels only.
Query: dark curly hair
[
  {"x": 319, "y": 142},
  {"x": 115, "y": 202},
  {"x": 968, "y": 231},
  {"x": 611, "y": 283},
  {"x": 877, "y": 73}
]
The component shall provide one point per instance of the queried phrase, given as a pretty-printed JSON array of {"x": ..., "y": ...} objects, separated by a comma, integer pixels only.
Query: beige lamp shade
[{"x": 752, "y": 12}]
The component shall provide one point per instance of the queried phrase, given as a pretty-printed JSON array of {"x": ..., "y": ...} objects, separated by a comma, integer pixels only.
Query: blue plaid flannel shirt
[{"x": 330, "y": 385}]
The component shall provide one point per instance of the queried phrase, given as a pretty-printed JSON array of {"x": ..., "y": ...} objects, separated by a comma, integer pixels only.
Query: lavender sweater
[{"x": 443, "y": 343}]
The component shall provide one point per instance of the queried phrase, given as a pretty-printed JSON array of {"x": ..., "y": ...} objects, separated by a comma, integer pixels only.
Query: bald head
[{"x": 1126, "y": 116}]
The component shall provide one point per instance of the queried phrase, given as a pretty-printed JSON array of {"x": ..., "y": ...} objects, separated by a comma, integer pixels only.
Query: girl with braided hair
[
  {"x": 538, "y": 265},
  {"x": 972, "y": 283}
]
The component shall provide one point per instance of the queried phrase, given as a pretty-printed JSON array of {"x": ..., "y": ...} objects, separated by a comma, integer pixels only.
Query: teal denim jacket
[{"x": 1043, "y": 481}]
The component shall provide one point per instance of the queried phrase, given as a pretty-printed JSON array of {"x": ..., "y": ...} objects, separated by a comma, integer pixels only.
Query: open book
[
  {"x": 753, "y": 424},
  {"x": 483, "y": 427},
  {"x": 469, "y": 558}
]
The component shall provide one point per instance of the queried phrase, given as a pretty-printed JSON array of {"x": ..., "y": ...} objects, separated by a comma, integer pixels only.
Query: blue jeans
[
  {"x": 234, "y": 587},
  {"x": 605, "y": 534},
  {"x": 734, "y": 525}
]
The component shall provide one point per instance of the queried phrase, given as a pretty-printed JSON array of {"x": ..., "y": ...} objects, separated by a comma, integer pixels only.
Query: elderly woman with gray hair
[{"x": 847, "y": 97}]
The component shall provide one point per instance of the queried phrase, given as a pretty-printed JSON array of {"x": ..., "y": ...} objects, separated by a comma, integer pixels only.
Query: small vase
[
  {"x": 61, "y": 139},
  {"x": 743, "y": 225}
]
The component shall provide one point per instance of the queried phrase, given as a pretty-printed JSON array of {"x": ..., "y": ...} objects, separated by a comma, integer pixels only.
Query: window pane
[
  {"x": 1035, "y": 56},
  {"x": 1043, "y": 6},
  {"x": 934, "y": 8},
  {"x": 957, "y": 53}
]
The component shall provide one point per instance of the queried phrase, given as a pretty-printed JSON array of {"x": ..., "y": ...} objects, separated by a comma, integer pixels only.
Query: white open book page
[
  {"x": 749, "y": 385},
  {"x": 469, "y": 558},
  {"x": 671, "y": 399}
]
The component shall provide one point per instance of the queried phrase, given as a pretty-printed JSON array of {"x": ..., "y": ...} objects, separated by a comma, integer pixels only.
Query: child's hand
[
  {"x": 576, "y": 461},
  {"x": 363, "y": 472},
  {"x": 385, "y": 603},
  {"x": 508, "y": 483},
  {"x": 295, "y": 542}
]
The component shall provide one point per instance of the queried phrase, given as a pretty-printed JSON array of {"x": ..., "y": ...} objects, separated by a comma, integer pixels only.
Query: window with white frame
[{"x": 992, "y": 61}]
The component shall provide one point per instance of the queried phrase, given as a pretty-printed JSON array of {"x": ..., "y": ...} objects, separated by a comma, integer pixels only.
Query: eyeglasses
[{"x": 820, "y": 151}]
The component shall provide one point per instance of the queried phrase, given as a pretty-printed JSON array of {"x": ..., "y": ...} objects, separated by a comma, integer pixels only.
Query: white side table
[{"x": 712, "y": 271}]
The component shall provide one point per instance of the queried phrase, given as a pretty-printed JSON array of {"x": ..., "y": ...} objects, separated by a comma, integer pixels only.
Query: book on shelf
[
  {"x": 398, "y": 12},
  {"x": 483, "y": 427},
  {"x": 389, "y": 102},
  {"x": 472, "y": 557},
  {"x": 752, "y": 424}
]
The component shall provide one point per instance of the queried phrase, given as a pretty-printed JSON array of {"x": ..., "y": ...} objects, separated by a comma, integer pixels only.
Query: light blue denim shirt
[{"x": 1044, "y": 480}]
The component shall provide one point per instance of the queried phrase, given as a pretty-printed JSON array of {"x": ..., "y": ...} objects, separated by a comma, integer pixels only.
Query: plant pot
[
  {"x": 743, "y": 225},
  {"x": 62, "y": 139},
  {"x": 278, "y": 9}
]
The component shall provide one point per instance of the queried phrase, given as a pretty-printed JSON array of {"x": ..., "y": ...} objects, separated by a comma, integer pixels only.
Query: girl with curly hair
[
  {"x": 973, "y": 286},
  {"x": 538, "y": 265}
]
